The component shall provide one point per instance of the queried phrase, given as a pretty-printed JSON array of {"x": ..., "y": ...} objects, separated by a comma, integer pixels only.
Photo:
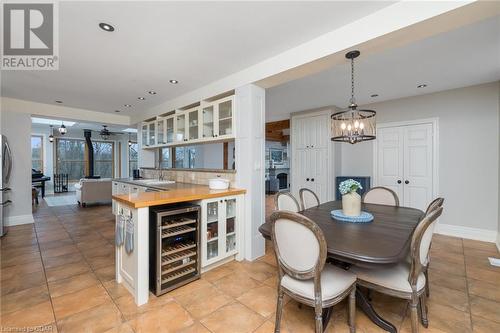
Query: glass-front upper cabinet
[
  {"x": 180, "y": 121},
  {"x": 145, "y": 135},
  {"x": 160, "y": 136},
  {"x": 193, "y": 124},
  {"x": 152, "y": 133},
  {"x": 169, "y": 125},
  {"x": 207, "y": 114},
  {"x": 225, "y": 116}
]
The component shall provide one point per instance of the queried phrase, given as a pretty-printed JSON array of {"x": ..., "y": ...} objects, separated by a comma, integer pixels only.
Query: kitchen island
[{"x": 220, "y": 223}]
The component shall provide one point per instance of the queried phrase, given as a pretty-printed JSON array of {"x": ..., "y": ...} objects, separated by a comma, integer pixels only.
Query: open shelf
[
  {"x": 174, "y": 231},
  {"x": 178, "y": 248}
]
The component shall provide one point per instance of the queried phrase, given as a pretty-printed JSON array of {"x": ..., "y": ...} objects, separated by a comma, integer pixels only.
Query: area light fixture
[
  {"x": 152, "y": 92},
  {"x": 62, "y": 130},
  {"x": 51, "y": 136},
  {"x": 173, "y": 81},
  {"x": 127, "y": 105},
  {"x": 106, "y": 27},
  {"x": 422, "y": 85},
  {"x": 59, "y": 102},
  {"x": 374, "y": 95},
  {"x": 353, "y": 125},
  {"x": 141, "y": 98}
]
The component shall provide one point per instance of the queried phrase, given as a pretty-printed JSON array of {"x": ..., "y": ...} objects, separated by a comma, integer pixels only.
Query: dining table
[{"x": 383, "y": 241}]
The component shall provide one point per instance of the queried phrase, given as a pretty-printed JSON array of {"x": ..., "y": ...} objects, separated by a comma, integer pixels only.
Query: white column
[{"x": 250, "y": 138}]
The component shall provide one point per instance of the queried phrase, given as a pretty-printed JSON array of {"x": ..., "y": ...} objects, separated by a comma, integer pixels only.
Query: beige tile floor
[{"x": 59, "y": 273}]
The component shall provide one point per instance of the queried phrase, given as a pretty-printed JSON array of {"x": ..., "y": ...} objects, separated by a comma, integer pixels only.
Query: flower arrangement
[{"x": 349, "y": 186}]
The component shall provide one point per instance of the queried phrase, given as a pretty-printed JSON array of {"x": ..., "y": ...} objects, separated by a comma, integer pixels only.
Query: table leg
[
  {"x": 367, "y": 308},
  {"x": 327, "y": 314},
  {"x": 43, "y": 189}
]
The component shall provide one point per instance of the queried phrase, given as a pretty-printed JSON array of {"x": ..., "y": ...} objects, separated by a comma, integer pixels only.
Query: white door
[
  {"x": 418, "y": 166},
  {"x": 318, "y": 169},
  {"x": 405, "y": 163},
  {"x": 390, "y": 145}
]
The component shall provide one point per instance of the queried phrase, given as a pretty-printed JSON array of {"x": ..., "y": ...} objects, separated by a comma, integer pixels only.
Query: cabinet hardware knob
[
  {"x": 312, "y": 179},
  {"x": 407, "y": 182},
  {"x": 399, "y": 181},
  {"x": 307, "y": 179}
]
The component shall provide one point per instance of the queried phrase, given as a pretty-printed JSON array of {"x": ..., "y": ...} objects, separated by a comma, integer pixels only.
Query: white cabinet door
[
  {"x": 193, "y": 124},
  {"x": 390, "y": 145},
  {"x": 169, "y": 129},
  {"x": 152, "y": 133},
  {"x": 418, "y": 166},
  {"x": 405, "y": 163},
  {"x": 145, "y": 134},
  {"x": 318, "y": 173},
  {"x": 180, "y": 127},
  {"x": 225, "y": 117},
  {"x": 160, "y": 132}
]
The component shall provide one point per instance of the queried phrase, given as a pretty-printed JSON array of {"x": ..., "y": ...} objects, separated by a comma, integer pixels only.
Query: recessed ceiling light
[
  {"x": 421, "y": 86},
  {"x": 127, "y": 105},
  {"x": 106, "y": 27},
  {"x": 152, "y": 92},
  {"x": 59, "y": 102},
  {"x": 141, "y": 98},
  {"x": 374, "y": 95},
  {"x": 173, "y": 81},
  {"x": 117, "y": 111}
]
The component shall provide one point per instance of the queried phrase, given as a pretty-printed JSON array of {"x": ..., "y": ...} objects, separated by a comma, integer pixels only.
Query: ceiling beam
[{"x": 62, "y": 112}]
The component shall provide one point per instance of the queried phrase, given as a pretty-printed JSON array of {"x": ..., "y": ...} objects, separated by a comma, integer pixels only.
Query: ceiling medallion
[{"x": 353, "y": 125}]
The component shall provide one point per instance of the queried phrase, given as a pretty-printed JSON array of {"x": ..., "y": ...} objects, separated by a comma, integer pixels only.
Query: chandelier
[
  {"x": 353, "y": 125},
  {"x": 105, "y": 133}
]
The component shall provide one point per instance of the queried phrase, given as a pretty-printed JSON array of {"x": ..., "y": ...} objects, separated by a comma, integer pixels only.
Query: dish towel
[
  {"x": 129, "y": 235},
  {"x": 120, "y": 230}
]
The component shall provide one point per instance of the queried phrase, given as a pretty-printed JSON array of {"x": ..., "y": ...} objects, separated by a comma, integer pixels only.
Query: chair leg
[
  {"x": 423, "y": 310},
  {"x": 414, "y": 314},
  {"x": 352, "y": 310},
  {"x": 279, "y": 311},
  {"x": 318, "y": 310},
  {"x": 427, "y": 282}
]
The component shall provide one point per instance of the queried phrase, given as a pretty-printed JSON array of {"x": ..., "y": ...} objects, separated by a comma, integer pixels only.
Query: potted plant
[{"x": 351, "y": 200}]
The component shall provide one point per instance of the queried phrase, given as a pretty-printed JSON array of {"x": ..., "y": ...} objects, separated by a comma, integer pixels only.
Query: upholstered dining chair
[
  {"x": 308, "y": 198},
  {"x": 302, "y": 272},
  {"x": 286, "y": 201},
  {"x": 436, "y": 203},
  {"x": 405, "y": 280},
  {"x": 381, "y": 196}
]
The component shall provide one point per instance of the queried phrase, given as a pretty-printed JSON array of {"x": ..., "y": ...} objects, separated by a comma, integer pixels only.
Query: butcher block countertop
[{"x": 174, "y": 193}]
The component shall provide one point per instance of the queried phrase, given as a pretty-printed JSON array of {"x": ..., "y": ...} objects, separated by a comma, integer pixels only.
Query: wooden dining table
[{"x": 383, "y": 241}]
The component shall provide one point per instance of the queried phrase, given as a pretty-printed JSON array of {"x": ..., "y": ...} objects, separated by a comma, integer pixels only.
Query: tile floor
[{"x": 59, "y": 274}]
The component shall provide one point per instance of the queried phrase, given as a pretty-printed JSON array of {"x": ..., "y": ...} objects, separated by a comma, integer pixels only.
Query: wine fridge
[{"x": 174, "y": 256}]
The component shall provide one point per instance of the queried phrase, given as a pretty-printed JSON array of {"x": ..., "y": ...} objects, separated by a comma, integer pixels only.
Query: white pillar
[{"x": 250, "y": 138}]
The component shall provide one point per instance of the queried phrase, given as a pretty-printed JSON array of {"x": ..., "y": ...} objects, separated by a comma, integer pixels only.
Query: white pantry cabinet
[{"x": 220, "y": 228}]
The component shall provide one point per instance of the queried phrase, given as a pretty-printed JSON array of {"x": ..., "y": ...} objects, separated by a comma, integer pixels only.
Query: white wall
[
  {"x": 468, "y": 153},
  {"x": 17, "y": 128}
]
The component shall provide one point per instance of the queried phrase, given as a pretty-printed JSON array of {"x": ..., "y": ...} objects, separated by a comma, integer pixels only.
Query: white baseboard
[
  {"x": 498, "y": 241},
  {"x": 466, "y": 232},
  {"x": 11, "y": 221}
]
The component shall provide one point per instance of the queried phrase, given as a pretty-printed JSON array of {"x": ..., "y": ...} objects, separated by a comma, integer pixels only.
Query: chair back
[
  {"x": 421, "y": 243},
  {"x": 438, "y": 202},
  {"x": 300, "y": 262},
  {"x": 286, "y": 201},
  {"x": 381, "y": 196},
  {"x": 308, "y": 198}
]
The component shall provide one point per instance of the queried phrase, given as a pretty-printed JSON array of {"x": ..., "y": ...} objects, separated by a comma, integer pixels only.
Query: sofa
[{"x": 93, "y": 190}]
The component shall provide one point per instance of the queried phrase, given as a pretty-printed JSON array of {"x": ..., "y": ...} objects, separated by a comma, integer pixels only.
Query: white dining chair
[
  {"x": 302, "y": 273},
  {"x": 405, "y": 280},
  {"x": 308, "y": 198},
  {"x": 435, "y": 204},
  {"x": 286, "y": 201},
  {"x": 381, "y": 196}
]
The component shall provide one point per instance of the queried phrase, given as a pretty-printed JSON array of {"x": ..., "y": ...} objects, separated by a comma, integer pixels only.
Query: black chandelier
[{"x": 353, "y": 125}]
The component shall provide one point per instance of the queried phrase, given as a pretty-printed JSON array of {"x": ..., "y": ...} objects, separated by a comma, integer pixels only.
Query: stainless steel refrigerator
[{"x": 5, "y": 172}]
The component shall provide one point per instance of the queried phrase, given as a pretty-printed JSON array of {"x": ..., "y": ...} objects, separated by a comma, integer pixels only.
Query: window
[
  {"x": 132, "y": 158},
  {"x": 185, "y": 157},
  {"x": 103, "y": 158},
  {"x": 37, "y": 152},
  {"x": 70, "y": 158}
]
